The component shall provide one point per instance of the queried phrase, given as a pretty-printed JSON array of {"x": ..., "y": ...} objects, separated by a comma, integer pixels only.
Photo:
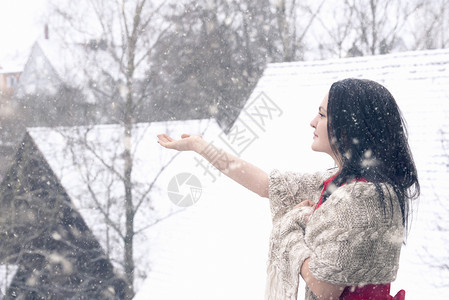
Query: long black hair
[{"x": 368, "y": 136}]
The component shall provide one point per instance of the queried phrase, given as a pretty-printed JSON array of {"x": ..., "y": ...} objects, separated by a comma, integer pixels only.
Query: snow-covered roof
[
  {"x": 75, "y": 63},
  {"x": 11, "y": 66},
  {"x": 68, "y": 62},
  {"x": 38, "y": 74},
  {"x": 419, "y": 81},
  {"x": 11, "y": 71}
]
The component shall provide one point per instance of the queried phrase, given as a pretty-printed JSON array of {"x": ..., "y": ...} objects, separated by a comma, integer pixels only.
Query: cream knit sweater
[{"x": 350, "y": 239}]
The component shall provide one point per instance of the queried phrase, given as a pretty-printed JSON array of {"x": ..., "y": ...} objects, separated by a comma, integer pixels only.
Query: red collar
[{"x": 329, "y": 181}]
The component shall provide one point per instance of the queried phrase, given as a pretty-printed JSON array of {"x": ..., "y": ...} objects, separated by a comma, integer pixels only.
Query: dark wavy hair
[{"x": 368, "y": 136}]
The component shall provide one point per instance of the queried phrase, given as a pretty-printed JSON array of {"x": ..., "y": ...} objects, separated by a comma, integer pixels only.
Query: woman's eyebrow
[{"x": 321, "y": 108}]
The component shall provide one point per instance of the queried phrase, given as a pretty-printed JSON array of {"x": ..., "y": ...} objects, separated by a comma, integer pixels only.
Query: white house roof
[
  {"x": 75, "y": 63},
  {"x": 12, "y": 65},
  {"x": 16, "y": 70},
  {"x": 419, "y": 81},
  {"x": 39, "y": 73}
]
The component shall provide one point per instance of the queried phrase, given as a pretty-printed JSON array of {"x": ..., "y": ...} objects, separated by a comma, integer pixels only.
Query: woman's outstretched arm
[{"x": 248, "y": 175}]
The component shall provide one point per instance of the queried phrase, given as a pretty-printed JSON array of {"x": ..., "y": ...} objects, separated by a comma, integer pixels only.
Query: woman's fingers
[
  {"x": 310, "y": 203},
  {"x": 186, "y": 142},
  {"x": 164, "y": 140},
  {"x": 305, "y": 203},
  {"x": 163, "y": 137}
]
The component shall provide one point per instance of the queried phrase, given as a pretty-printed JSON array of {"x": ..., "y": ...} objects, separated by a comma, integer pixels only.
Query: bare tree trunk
[
  {"x": 373, "y": 8},
  {"x": 129, "y": 207},
  {"x": 292, "y": 37},
  {"x": 284, "y": 32},
  {"x": 127, "y": 182},
  {"x": 127, "y": 154}
]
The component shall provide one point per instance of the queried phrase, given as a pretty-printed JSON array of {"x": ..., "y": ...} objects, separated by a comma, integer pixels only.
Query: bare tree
[
  {"x": 366, "y": 27},
  {"x": 216, "y": 51},
  {"x": 293, "y": 23},
  {"x": 334, "y": 34},
  {"x": 430, "y": 29},
  {"x": 379, "y": 26},
  {"x": 118, "y": 38},
  {"x": 97, "y": 162}
]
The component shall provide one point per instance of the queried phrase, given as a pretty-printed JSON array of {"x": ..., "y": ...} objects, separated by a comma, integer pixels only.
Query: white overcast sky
[{"x": 21, "y": 23}]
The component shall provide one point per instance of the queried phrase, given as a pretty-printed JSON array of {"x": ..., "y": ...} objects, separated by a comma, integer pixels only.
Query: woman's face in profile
[{"x": 320, "y": 135}]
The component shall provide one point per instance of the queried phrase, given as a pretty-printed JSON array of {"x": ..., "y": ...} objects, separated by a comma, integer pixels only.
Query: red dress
[{"x": 367, "y": 292}]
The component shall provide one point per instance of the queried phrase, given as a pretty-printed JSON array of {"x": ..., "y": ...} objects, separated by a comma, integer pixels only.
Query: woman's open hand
[{"x": 186, "y": 143}]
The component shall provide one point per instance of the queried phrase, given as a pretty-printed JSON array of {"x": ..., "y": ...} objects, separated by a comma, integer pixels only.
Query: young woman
[{"x": 341, "y": 230}]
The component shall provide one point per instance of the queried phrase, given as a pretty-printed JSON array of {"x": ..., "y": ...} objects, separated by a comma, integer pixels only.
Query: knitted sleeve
[
  {"x": 353, "y": 239},
  {"x": 287, "y": 254},
  {"x": 288, "y": 189}
]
